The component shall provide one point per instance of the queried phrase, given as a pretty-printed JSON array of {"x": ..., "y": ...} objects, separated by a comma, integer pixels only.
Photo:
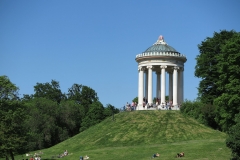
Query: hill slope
[
  {"x": 139, "y": 129},
  {"x": 142, "y": 127}
]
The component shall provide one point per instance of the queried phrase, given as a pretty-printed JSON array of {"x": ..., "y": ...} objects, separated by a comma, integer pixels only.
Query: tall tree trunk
[
  {"x": 11, "y": 154},
  {"x": 6, "y": 157}
]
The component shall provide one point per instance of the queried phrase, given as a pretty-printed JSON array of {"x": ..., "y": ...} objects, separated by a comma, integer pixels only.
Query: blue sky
[{"x": 94, "y": 43}]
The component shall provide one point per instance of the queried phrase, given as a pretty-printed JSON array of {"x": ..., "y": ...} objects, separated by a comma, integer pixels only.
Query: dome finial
[
  {"x": 160, "y": 40},
  {"x": 160, "y": 37}
]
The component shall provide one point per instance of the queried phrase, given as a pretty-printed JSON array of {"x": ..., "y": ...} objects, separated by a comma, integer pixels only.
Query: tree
[
  {"x": 135, "y": 100},
  {"x": 217, "y": 66},
  {"x": 208, "y": 62},
  {"x": 233, "y": 139},
  {"x": 8, "y": 90},
  {"x": 42, "y": 126},
  {"x": 74, "y": 93},
  {"x": 228, "y": 82},
  {"x": 70, "y": 118},
  {"x": 110, "y": 110},
  {"x": 13, "y": 132},
  {"x": 83, "y": 95},
  {"x": 49, "y": 90},
  {"x": 94, "y": 115},
  {"x": 12, "y": 116},
  {"x": 204, "y": 113}
]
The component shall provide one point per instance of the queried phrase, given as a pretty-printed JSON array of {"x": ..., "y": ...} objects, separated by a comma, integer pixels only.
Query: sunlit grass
[{"x": 139, "y": 134}]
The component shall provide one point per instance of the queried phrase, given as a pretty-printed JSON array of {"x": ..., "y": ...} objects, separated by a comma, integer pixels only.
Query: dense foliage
[
  {"x": 218, "y": 66},
  {"x": 46, "y": 117},
  {"x": 12, "y": 116},
  {"x": 204, "y": 113},
  {"x": 233, "y": 140}
]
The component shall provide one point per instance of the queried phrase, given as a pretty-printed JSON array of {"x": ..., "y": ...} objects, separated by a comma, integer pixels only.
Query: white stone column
[
  {"x": 175, "y": 85},
  {"x": 159, "y": 90},
  {"x": 150, "y": 90},
  {"x": 170, "y": 85},
  {"x": 158, "y": 85},
  {"x": 146, "y": 84},
  {"x": 163, "y": 84},
  {"x": 140, "y": 88},
  {"x": 180, "y": 86}
]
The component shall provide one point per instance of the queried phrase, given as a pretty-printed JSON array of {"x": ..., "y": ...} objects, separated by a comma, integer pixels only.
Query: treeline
[
  {"x": 218, "y": 103},
  {"x": 46, "y": 117}
]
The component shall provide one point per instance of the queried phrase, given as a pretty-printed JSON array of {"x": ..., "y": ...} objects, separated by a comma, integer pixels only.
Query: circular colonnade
[{"x": 161, "y": 59}]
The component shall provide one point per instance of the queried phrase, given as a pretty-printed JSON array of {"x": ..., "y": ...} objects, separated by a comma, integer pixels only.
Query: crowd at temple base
[{"x": 155, "y": 106}]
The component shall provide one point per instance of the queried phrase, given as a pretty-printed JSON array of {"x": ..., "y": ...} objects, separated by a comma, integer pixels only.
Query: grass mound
[{"x": 139, "y": 134}]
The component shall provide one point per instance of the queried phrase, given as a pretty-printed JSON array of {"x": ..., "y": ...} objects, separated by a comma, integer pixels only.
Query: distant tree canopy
[
  {"x": 8, "y": 90},
  {"x": 49, "y": 90},
  {"x": 46, "y": 117},
  {"x": 83, "y": 95},
  {"x": 135, "y": 99}
]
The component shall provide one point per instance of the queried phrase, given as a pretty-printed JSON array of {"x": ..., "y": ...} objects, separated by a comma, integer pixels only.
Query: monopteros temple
[{"x": 164, "y": 60}]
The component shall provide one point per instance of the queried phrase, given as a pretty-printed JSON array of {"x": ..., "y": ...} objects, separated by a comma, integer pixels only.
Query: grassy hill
[{"x": 139, "y": 134}]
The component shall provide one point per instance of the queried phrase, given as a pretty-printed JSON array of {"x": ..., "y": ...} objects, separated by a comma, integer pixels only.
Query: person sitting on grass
[
  {"x": 180, "y": 154},
  {"x": 86, "y": 157},
  {"x": 155, "y": 155},
  {"x": 65, "y": 153}
]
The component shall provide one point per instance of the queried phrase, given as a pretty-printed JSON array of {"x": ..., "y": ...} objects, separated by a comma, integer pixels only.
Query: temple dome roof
[{"x": 160, "y": 46}]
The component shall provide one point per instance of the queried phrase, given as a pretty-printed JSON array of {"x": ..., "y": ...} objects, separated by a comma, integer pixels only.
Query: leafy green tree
[
  {"x": 110, "y": 110},
  {"x": 135, "y": 100},
  {"x": 208, "y": 114},
  {"x": 218, "y": 67},
  {"x": 12, "y": 116},
  {"x": 233, "y": 139},
  {"x": 70, "y": 118},
  {"x": 26, "y": 97},
  {"x": 42, "y": 126},
  {"x": 207, "y": 64},
  {"x": 12, "y": 130},
  {"x": 83, "y": 95},
  {"x": 191, "y": 108},
  {"x": 229, "y": 82},
  {"x": 75, "y": 93},
  {"x": 49, "y": 90},
  {"x": 8, "y": 90},
  {"x": 94, "y": 116},
  {"x": 204, "y": 113}
]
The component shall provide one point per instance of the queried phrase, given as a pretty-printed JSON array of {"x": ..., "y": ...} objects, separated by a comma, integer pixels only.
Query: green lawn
[{"x": 140, "y": 134}]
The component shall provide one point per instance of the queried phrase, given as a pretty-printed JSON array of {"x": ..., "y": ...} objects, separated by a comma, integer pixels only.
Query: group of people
[
  {"x": 65, "y": 153},
  {"x": 181, "y": 154},
  {"x": 168, "y": 105},
  {"x": 36, "y": 156},
  {"x": 130, "y": 107},
  {"x": 84, "y": 158}
]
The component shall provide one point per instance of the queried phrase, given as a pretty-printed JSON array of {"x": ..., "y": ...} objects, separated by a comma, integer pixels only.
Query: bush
[
  {"x": 233, "y": 139},
  {"x": 204, "y": 113}
]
